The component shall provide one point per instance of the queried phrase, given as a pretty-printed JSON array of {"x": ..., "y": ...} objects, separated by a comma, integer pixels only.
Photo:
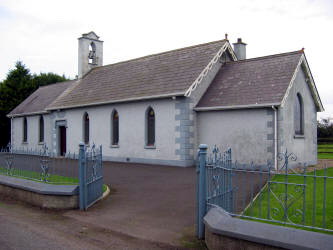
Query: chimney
[{"x": 240, "y": 49}]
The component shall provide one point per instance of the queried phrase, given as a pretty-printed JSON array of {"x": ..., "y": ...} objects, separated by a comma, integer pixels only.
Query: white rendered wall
[
  {"x": 131, "y": 131},
  {"x": 33, "y": 132}
]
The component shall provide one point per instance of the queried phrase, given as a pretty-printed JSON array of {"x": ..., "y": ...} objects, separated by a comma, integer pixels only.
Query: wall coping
[
  {"x": 220, "y": 222},
  {"x": 39, "y": 187}
]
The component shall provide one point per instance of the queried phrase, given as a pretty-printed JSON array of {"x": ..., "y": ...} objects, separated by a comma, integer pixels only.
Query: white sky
[{"x": 43, "y": 33}]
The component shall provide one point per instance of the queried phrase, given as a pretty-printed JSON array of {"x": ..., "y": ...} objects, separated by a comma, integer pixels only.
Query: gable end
[{"x": 303, "y": 65}]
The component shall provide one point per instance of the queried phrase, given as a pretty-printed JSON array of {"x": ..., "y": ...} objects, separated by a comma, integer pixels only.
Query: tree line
[
  {"x": 325, "y": 129},
  {"x": 15, "y": 88}
]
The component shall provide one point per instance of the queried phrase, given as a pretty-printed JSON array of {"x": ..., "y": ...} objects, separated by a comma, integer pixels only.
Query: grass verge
[
  {"x": 323, "y": 156},
  {"x": 37, "y": 177}
]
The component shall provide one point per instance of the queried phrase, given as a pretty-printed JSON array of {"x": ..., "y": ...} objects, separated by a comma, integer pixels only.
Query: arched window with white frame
[
  {"x": 299, "y": 115},
  {"x": 25, "y": 130},
  {"x": 86, "y": 128},
  {"x": 114, "y": 128},
  {"x": 41, "y": 129},
  {"x": 150, "y": 127}
]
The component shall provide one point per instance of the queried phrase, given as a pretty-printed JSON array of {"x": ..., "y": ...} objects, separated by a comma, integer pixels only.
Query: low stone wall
[
  {"x": 40, "y": 194},
  {"x": 225, "y": 232}
]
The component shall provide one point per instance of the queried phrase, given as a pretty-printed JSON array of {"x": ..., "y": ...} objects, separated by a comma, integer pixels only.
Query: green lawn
[
  {"x": 325, "y": 151},
  {"x": 36, "y": 176},
  {"x": 314, "y": 200}
]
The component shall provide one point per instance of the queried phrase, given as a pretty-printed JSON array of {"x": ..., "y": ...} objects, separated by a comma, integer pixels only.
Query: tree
[
  {"x": 47, "y": 78},
  {"x": 17, "y": 86},
  {"x": 324, "y": 129}
]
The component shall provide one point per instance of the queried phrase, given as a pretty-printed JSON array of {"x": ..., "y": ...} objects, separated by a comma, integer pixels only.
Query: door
[{"x": 62, "y": 131}]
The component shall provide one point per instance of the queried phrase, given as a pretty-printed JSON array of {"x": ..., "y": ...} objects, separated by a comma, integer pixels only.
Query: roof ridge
[
  {"x": 266, "y": 57},
  {"x": 53, "y": 83},
  {"x": 161, "y": 53}
]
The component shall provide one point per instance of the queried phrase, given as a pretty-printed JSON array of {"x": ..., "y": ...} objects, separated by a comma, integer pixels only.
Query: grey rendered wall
[
  {"x": 249, "y": 133},
  {"x": 305, "y": 148},
  {"x": 186, "y": 118}
]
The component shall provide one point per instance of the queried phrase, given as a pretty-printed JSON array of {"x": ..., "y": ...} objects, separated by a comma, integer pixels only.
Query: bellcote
[{"x": 90, "y": 53}]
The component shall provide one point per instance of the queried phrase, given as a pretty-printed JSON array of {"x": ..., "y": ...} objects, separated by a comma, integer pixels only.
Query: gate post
[
  {"x": 201, "y": 203},
  {"x": 82, "y": 177}
]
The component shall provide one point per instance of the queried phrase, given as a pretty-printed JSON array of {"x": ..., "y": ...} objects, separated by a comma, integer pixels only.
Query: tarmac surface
[
  {"x": 23, "y": 227},
  {"x": 149, "y": 202},
  {"x": 150, "y": 207}
]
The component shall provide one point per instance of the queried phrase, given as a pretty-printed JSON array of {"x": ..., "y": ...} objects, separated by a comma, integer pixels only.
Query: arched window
[
  {"x": 299, "y": 115},
  {"x": 114, "y": 128},
  {"x": 41, "y": 129},
  {"x": 86, "y": 128},
  {"x": 25, "y": 129},
  {"x": 92, "y": 53},
  {"x": 150, "y": 122}
]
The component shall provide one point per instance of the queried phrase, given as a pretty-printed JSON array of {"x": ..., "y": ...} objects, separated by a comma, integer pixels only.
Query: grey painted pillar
[
  {"x": 82, "y": 177},
  {"x": 201, "y": 203}
]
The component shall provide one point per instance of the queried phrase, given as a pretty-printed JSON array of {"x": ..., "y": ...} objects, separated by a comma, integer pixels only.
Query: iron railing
[
  {"x": 299, "y": 197},
  {"x": 39, "y": 165}
]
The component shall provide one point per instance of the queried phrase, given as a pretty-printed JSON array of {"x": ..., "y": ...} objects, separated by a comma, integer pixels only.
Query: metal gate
[
  {"x": 214, "y": 185},
  {"x": 219, "y": 180},
  {"x": 90, "y": 175}
]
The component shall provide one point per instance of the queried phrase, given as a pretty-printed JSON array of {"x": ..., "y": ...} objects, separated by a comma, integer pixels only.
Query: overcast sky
[{"x": 43, "y": 34}]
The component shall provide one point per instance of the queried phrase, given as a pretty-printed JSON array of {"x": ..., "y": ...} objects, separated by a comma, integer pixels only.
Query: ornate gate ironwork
[
  {"x": 295, "y": 196},
  {"x": 219, "y": 179},
  {"x": 90, "y": 175}
]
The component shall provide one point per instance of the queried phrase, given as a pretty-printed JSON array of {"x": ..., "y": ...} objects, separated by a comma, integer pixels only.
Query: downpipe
[{"x": 275, "y": 138}]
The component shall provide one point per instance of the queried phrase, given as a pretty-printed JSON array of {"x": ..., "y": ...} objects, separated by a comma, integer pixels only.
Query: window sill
[
  {"x": 299, "y": 137},
  {"x": 150, "y": 147},
  {"x": 114, "y": 146},
  {"x": 24, "y": 142},
  {"x": 41, "y": 143}
]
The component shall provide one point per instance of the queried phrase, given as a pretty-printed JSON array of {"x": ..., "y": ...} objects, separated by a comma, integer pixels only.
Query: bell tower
[{"x": 90, "y": 53}]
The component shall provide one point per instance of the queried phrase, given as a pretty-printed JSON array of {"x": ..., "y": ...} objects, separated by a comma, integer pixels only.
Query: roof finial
[
  {"x": 302, "y": 49},
  {"x": 226, "y": 36}
]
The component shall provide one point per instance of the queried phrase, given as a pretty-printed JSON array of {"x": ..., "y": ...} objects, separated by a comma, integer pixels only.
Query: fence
[
  {"x": 290, "y": 196},
  {"x": 38, "y": 165}
]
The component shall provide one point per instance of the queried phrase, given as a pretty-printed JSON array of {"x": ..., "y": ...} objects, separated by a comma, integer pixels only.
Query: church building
[{"x": 157, "y": 109}]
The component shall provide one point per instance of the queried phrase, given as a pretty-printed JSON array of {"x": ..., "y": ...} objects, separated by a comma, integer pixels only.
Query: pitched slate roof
[
  {"x": 168, "y": 73},
  {"x": 256, "y": 81},
  {"x": 41, "y": 98}
]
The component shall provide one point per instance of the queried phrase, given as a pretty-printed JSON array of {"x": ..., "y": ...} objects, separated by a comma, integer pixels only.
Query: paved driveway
[{"x": 151, "y": 202}]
